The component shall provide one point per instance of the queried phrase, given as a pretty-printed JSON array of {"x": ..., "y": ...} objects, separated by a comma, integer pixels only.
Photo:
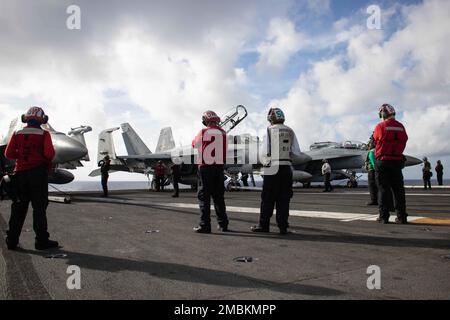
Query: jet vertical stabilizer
[
  {"x": 133, "y": 143},
  {"x": 106, "y": 145},
  {"x": 12, "y": 128},
  {"x": 165, "y": 141}
]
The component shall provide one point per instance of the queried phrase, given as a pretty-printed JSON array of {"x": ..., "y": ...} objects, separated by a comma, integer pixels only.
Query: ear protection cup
[{"x": 44, "y": 120}]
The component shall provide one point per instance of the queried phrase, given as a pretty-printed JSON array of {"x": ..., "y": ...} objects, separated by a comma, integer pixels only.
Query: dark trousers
[
  {"x": 211, "y": 184},
  {"x": 244, "y": 179},
  {"x": 327, "y": 178},
  {"x": 373, "y": 187},
  {"x": 30, "y": 186},
  {"x": 426, "y": 180},
  {"x": 439, "y": 178},
  {"x": 159, "y": 180},
  {"x": 390, "y": 179},
  {"x": 176, "y": 180},
  {"x": 277, "y": 193},
  {"x": 105, "y": 184}
]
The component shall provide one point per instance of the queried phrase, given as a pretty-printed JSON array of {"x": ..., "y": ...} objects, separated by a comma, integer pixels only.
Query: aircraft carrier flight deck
[{"x": 140, "y": 245}]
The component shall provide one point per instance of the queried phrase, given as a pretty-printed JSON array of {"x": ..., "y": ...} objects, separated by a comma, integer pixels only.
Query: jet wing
[
  {"x": 70, "y": 165},
  {"x": 97, "y": 172}
]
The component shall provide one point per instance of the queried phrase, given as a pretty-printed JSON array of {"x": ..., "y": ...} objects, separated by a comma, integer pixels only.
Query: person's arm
[
  {"x": 372, "y": 158},
  {"x": 49, "y": 150},
  {"x": 2, "y": 164},
  {"x": 264, "y": 157},
  {"x": 295, "y": 150},
  {"x": 225, "y": 147},
  {"x": 11, "y": 148},
  {"x": 197, "y": 142},
  {"x": 377, "y": 133}
]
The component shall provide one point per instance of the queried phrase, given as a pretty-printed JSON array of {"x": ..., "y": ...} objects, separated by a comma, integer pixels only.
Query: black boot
[
  {"x": 401, "y": 220},
  {"x": 259, "y": 228},
  {"x": 49, "y": 244},
  {"x": 12, "y": 245},
  {"x": 223, "y": 228},
  {"x": 202, "y": 229},
  {"x": 285, "y": 231}
]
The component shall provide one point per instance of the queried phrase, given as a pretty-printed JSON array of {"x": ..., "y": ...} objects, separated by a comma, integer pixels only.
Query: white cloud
[
  {"x": 282, "y": 41},
  {"x": 169, "y": 64},
  {"x": 411, "y": 70}
]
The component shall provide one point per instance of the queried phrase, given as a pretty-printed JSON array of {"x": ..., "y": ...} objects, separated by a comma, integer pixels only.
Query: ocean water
[{"x": 133, "y": 185}]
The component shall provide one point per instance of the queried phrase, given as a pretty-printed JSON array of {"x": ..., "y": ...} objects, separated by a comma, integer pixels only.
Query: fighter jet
[
  {"x": 141, "y": 160},
  {"x": 346, "y": 159},
  {"x": 70, "y": 151}
]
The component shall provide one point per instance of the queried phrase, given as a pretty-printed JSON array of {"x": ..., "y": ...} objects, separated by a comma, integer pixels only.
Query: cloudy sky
[{"x": 162, "y": 63}]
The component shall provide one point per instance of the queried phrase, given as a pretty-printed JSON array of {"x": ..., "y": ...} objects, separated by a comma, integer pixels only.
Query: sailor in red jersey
[
  {"x": 33, "y": 151},
  {"x": 390, "y": 138},
  {"x": 160, "y": 176},
  {"x": 211, "y": 143}
]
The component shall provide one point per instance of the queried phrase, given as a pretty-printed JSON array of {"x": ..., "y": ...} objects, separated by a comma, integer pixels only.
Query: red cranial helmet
[
  {"x": 210, "y": 117},
  {"x": 36, "y": 114},
  {"x": 386, "y": 111}
]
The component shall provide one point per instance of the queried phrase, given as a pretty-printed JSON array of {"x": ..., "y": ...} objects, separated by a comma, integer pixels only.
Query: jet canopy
[{"x": 232, "y": 118}]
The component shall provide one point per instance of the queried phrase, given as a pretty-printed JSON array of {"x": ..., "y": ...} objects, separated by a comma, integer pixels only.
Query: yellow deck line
[{"x": 433, "y": 221}]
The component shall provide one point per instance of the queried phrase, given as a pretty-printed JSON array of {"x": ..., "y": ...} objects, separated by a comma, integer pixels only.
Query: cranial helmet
[
  {"x": 35, "y": 114},
  {"x": 275, "y": 115},
  {"x": 210, "y": 117},
  {"x": 386, "y": 111}
]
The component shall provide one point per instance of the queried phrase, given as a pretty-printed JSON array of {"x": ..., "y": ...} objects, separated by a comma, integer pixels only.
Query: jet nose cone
[
  {"x": 68, "y": 149},
  {"x": 412, "y": 161}
]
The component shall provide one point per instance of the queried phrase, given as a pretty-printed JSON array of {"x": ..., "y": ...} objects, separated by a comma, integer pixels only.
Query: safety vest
[
  {"x": 390, "y": 138},
  {"x": 30, "y": 147},
  {"x": 279, "y": 144}
]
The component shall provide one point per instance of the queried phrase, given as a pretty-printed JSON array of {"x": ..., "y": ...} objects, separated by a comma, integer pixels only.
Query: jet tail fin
[
  {"x": 12, "y": 127},
  {"x": 78, "y": 134},
  {"x": 133, "y": 143},
  {"x": 106, "y": 145},
  {"x": 165, "y": 141}
]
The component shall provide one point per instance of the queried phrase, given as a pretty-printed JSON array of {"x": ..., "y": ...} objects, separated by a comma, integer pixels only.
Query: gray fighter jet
[
  {"x": 70, "y": 151},
  {"x": 141, "y": 160},
  {"x": 346, "y": 159}
]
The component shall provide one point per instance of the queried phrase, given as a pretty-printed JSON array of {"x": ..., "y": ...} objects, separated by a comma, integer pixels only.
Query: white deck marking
[{"x": 341, "y": 216}]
